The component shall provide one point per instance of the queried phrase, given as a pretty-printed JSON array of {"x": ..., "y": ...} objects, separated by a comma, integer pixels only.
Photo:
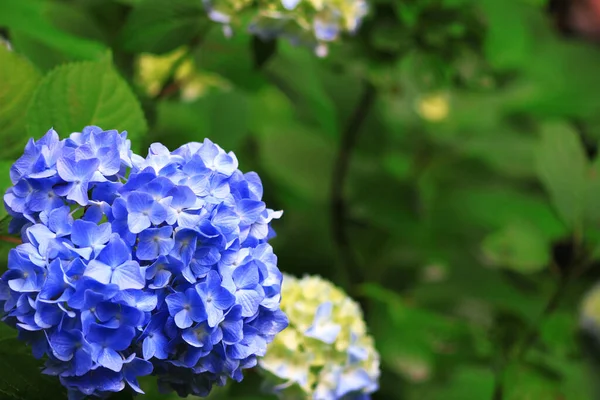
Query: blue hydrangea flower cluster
[{"x": 133, "y": 266}]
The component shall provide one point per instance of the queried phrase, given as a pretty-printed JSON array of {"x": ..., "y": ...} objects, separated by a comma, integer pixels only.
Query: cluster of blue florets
[{"x": 133, "y": 266}]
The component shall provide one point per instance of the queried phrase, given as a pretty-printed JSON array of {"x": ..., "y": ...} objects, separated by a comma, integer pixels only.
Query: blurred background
[{"x": 440, "y": 165}]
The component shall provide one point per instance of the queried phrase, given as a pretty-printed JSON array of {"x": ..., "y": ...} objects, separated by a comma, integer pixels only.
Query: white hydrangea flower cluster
[
  {"x": 325, "y": 353},
  {"x": 312, "y": 23}
]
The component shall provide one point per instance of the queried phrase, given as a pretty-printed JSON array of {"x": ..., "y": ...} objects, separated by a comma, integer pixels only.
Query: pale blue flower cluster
[
  {"x": 310, "y": 23},
  {"x": 133, "y": 266}
]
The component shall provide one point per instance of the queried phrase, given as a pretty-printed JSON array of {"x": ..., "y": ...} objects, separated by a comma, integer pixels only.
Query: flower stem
[
  {"x": 10, "y": 239},
  {"x": 347, "y": 268},
  {"x": 170, "y": 86}
]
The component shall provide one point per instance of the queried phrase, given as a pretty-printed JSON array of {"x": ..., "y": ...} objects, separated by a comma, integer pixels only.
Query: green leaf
[
  {"x": 562, "y": 167},
  {"x": 88, "y": 93},
  {"x": 509, "y": 153},
  {"x": 492, "y": 207},
  {"x": 284, "y": 146},
  {"x": 507, "y": 48},
  {"x": 592, "y": 211},
  {"x": 21, "y": 377},
  {"x": 230, "y": 57},
  {"x": 522, "y": 383},
  {"x": 28, "y": 16},
  {"x": 208, "y": 117},
  {"x": 295, "y": 72},
  {"x": 468, "y": 383},
  {"x": 157, "y": 26},
  {"x": 558, "y": 332},
  {"x": 18, "y": 80},
  {"x": 72, "y": 19},
  {"x": 519, "y": 246}
]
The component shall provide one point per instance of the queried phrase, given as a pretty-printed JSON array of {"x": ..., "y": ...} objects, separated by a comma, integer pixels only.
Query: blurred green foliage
[{"x": 440, "y": 166}]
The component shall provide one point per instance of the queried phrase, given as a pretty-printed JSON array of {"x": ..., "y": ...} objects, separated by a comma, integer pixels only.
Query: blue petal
[
  {"x": 353, "y": 381},
  {"x": 326, "y": 332},
  {"x": 133, "y": 369},
  {"x": 67, "y": 169},
  {"x": 175, "y": 303},
  {"x": 99, "y": 271},
  {"x": 128, "y": 276},
  {"x": 185, "y": 245},
  {"x": 183, "y": 319},
  {"x": 110, "y": 359},
  {"x": 148, "y": 347},
  {"x": 154, "y": 242},
  {"x": 158, "y": 213},
  {"x": 137, "y": 222},
  {"x": 223, "y": 299},
  {"x": 87, "y": 234},
  {"x": 214, "y": 315},
  {"x": 115, "y": 253},
  {"x": 323, "y": 312},
  {"x": 249, "y": 300},
  {"x": 55, "y": 284},
  {"x": 139, "y": 201},
  {"x": 161, "y": 279},
  {"x": 246, "y": 276},
  {"x": 83, "y": 361},
  {"x": 250, "y": 210},
  {"x": 63, "y": 345},
  {"x": 60, "y": 221},
  {"x": 290, "y": 4},
  {"x": 232, "y": 331}
]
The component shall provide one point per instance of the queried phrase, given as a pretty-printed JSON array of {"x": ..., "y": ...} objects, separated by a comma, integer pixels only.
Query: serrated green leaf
[
  {"x": 562, "y": 167},
  {"x": 157, "y": 26},
  {"x": 72, "y": 19},
  {"x": 88, "y": 93},
  {"x": 18, "y": 80},
  {"x": 21, "y": 377},
  {"x": 28, "y": 16}
]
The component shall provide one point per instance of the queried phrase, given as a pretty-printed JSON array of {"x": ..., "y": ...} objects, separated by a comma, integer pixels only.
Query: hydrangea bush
[
  {"x": 133, "y": 266},
  {"x": 326, "y": 353},
  {"x": 312, "y": 23}
]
